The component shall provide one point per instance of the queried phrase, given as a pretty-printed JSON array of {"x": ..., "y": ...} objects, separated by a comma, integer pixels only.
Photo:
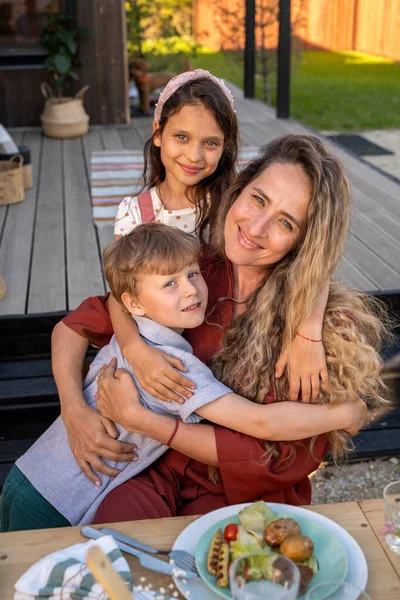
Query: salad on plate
[{"x": 262, "y": 532}]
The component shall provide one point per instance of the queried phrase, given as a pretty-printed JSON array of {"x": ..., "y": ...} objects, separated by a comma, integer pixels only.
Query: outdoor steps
[{"x": 29, "y": 401}]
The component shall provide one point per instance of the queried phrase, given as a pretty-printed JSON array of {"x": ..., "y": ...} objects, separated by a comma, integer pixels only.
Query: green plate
[{"x": 328, "y": 550}]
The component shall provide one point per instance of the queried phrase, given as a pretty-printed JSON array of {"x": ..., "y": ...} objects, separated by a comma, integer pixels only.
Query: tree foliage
[{"x": 157, "y": 20}]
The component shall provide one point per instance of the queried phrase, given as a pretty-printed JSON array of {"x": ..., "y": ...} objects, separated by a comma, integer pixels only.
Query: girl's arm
[
  {"x": 306, "y": 362},
  {"x": 155, "y": 371}
]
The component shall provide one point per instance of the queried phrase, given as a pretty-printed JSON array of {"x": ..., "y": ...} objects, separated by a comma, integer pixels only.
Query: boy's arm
[
  {"x": 306, "y": 362},
  {"x": 282, "y": 421},
  {"x": 157, "y": 372}
]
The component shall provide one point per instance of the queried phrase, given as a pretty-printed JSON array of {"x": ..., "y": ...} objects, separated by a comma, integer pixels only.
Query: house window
[{"x": 21, "y": 23}]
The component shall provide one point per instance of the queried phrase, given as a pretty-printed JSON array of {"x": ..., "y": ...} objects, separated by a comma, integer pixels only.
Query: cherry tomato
[{"x": 230, "y": 532}]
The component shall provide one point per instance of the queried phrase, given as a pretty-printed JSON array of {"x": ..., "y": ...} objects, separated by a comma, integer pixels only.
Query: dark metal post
[
  {"x": 250, "y": 50},
  {"x": 283, "y": 99}
]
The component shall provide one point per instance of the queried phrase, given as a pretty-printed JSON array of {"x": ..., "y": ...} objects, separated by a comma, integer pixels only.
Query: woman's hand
[
  {"x": 158, "y": 373},
  {"x": 306, "y": 368},
  {"x": 117, "y": 396},
  {"x": 92, "y": 436}
]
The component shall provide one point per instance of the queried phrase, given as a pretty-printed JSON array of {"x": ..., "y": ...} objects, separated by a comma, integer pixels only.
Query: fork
[{"x": 182, "y": 558}]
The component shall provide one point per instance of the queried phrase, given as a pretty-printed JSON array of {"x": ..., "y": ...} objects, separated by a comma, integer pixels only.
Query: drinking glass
[
  {"x": 282, "y": 583},
  {"x": 336, "y": 590},
  {"x": 391, "y": 495}
]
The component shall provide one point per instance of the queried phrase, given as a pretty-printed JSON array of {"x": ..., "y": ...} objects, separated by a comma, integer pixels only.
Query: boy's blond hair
[{"x": 149, "y": 248}]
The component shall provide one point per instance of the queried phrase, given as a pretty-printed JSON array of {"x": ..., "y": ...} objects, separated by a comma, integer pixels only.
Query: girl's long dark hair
[{"x": 209, "y": 191}]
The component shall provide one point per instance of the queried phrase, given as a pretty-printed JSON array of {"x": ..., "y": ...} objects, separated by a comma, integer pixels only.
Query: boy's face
[{"x": 176, "y": 301}]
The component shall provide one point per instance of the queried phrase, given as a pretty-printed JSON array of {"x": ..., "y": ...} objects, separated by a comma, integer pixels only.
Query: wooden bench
[{"x": 29, "y": 401}]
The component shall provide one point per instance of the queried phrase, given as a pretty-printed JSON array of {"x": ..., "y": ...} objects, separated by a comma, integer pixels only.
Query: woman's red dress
[{"x": 177, "y": 485}]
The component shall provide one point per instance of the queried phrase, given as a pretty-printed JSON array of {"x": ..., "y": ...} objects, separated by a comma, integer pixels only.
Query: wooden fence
[{"x": 363, "y": 25}]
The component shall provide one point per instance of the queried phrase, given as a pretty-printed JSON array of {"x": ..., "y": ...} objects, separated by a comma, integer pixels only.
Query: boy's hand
[
  {"x": 357, "y": 415},
  {"x": 306, "y": 368},
  {"x": 91, "y": 437},
  {"x": 158, "y": 374}
]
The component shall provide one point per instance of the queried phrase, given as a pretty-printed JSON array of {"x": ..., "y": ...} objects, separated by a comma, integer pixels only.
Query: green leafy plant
[{"x": 60, "y": 37}]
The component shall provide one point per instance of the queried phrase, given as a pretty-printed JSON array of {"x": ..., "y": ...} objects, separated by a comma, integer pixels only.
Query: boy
[{"x": 154, "y": 273}]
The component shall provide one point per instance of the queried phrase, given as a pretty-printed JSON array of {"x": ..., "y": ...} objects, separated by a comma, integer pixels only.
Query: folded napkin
[{"x": 64, "y": 575}]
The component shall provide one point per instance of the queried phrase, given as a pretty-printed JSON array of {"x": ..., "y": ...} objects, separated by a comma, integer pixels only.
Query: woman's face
[{"x": 266, "y": 220}]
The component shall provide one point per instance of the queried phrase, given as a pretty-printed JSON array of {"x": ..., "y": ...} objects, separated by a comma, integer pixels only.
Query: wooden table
[{"x": 362, "y": 520}]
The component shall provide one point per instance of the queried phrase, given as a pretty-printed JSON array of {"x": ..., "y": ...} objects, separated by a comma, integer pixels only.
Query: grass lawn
[{"x": 341, "y": 91}]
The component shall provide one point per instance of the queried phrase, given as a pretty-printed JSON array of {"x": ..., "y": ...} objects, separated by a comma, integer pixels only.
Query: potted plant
[{"x": 63, "y": 116}]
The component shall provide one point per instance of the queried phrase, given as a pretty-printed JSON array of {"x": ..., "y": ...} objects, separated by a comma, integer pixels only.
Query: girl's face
[
  {"x": 266, "y": 220},
  {"x": 191, "y": 145}
]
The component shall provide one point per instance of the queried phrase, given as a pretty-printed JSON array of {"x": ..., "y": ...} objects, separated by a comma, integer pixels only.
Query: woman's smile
[{"x": 246, "y": 241}]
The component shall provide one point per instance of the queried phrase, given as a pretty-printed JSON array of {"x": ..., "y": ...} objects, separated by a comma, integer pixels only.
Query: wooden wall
[
  {"x": 105, "y": 71},
  {"x": 105, "y": 60},
  {"x": 362, "y": 25}
]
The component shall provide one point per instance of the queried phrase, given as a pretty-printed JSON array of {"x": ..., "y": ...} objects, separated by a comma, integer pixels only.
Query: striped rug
[{"x": 118, "y": 173}]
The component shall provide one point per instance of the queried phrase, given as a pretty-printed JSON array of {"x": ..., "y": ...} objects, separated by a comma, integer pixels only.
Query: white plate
[{"x": 187, "y": 540}]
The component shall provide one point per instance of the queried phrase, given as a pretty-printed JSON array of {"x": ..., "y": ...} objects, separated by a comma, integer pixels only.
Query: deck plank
[
  {"x": 92, "y": 142},
  {"x": 388, "y": 250},
  {"x": 143, "y": 127},
  {"x": 84, "y": 273},
  {"x": 47, "y": 290},
  {"x": 349, "y": 274},
  {"x": 371, "y": 264},
  {"x": 386, "y": 220},
  {"x": 16, "y": 241},
  {"x": 111, "y": 139},
  {"x": 130, "y": 138}
]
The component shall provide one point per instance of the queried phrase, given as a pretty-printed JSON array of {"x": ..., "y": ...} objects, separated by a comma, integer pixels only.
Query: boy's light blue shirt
[{"x": 50, "y": 465}]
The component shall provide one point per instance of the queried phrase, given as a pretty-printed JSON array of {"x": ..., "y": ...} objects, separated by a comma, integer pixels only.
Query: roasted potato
[
  {"x": 222, "y": 568},
  {"x": 279, "y": 530},
  {"x": 213, "y": 553},
  {"x": 297, "y": 548}
]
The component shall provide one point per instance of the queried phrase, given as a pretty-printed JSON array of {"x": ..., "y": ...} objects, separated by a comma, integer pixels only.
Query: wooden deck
[{"x": 50, "y": 250}]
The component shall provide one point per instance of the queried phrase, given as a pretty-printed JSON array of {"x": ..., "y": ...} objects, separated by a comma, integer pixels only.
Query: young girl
[{"x": 189, "y": 161}]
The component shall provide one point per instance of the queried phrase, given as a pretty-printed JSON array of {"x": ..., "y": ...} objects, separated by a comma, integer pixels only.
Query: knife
[
  {"x": 147, "y": 561},
  {"x": 121, "y": 537}
]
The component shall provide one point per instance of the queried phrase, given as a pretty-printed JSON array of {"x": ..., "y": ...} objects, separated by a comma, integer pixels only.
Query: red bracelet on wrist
[
  {"x": 306, "y": 338},
  {"x": 173, "y": 433}
]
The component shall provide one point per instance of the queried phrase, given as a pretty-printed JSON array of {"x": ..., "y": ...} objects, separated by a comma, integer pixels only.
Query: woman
[{"x": 279, "y": 236}]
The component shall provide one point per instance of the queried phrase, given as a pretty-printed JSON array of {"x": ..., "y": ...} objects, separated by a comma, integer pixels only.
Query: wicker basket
[
  {"x": 26, "y": 167},
  {"x": 64, "y": 117},
  {"x": 12, "y": 180},
  {"x": 2, "y": 287}
]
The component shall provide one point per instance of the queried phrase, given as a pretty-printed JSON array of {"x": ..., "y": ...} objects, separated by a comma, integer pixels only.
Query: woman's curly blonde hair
[{"x": 353, "y": 323}]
